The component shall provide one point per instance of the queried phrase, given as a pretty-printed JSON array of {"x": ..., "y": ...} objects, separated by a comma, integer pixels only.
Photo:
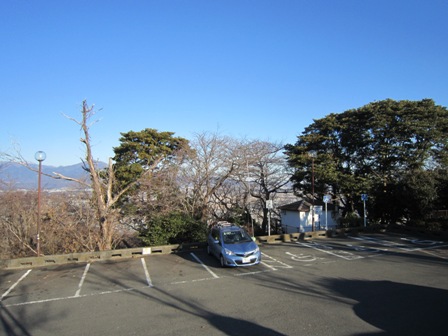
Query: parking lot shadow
[
  {"x": 10, "y": 324},
  {"x": 233, "y": 327},
  {"x": 396, "y": 308}
]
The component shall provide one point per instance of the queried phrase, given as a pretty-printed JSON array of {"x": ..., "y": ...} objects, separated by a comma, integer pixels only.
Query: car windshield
[{"x": 235, "y": 237}]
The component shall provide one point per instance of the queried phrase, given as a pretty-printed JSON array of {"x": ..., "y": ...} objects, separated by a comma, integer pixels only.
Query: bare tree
[
  {"x": 226, "y": 175},
  {"x": 267, "y": 173},
  {"x": 158, "y": 195},
  {"x": 69, "y": 223},
  {"x": 105, "y": 193},
  {"x": 107, "y": 190},
  {"x": 17, "y": 223},
  {"x": 206, "y": 171}
]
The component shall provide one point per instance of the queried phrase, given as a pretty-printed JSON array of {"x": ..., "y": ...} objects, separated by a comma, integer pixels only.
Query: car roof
[
  {"x": 226, "y": 226},
  {"x": 231, "y": 228}
]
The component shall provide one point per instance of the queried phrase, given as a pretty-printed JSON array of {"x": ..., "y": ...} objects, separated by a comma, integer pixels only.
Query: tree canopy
[
  {"x": 375, "y": 149},
  {"x": 144, "y": 151}
]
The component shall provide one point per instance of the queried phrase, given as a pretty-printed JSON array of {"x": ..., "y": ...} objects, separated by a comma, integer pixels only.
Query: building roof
[{"x": 305, "y": 206}]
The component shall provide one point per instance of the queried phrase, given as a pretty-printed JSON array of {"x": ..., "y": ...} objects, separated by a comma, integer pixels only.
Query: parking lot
[{"x": 369, "y": 284}]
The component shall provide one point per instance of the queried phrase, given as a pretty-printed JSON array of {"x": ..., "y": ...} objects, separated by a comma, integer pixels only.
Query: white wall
[
  {"x": 290, "y": 221},
  {"x": 294, "y": 221},
  {"x": 320, "y": 221}
]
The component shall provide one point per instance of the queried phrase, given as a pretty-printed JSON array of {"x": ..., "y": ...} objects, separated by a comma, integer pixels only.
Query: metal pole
[
  {"x": 39, "y": 156},
  {"x": 269, "y": 222},
  {"x": 312, "y": 194},
  {"x": 252, "y": 222},
  {"x": 365, "y": 217},
  {"x": 326, "y": 221},
  {"x": 38, "y": 207}
]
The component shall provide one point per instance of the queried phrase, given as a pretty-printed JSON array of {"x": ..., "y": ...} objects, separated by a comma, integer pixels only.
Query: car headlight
[
  {"x": 228, "y": 252},
  {"x": 257, "y": 250}
]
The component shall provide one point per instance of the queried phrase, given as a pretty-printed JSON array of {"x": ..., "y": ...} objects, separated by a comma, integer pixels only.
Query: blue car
[{"x": 233, "y": 246}]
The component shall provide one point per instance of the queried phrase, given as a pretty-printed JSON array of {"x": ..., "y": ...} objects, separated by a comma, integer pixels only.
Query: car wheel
[{"x": 221, "y": 259}]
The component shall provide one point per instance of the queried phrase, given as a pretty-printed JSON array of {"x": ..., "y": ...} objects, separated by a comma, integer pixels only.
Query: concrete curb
[
  {"x": 291, "y": 237},
  {"x": 85, "y": 257}
]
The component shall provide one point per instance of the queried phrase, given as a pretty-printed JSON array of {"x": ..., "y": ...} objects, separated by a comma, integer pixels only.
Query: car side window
[{"x": 215, "y": 234}]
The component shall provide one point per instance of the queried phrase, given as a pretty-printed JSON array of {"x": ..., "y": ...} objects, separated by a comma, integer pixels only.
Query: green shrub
[
  {"x": 351, "y": 220},
  {"x": 173, "y": 228}
]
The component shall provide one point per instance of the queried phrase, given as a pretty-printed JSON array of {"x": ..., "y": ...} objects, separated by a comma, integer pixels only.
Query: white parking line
[
  {"x": 205, "y": 266},
  {"x": 428, "y": 244},
  {"x": 337, "y": 253},
  {"x": 70, "y": 297},
  {"x": 382, "y": 242},
  {"x": 274, "y": 261},
  {"x": 78, "y": 292},
  {"x": 301, "y": 257},
  {"x": 14, "y": 285},
  {"x": 191, "y": 281},
  {"x": 251, "y": 273},
  {"x": 422, "y": 242},
  {"x": 148, "y": 278}
]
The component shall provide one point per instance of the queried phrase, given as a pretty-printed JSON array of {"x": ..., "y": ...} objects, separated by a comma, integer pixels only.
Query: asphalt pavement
[{"x": 372, "y": 284}]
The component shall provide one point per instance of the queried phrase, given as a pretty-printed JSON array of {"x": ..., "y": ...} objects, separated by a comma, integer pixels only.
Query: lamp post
[{"x": 39, "y": 156}]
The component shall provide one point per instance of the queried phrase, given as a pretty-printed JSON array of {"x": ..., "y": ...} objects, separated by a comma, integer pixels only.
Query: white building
[{"x": 297, "y": 216}]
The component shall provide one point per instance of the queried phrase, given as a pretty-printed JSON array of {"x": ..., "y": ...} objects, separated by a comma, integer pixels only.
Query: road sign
[
  {"x": 326, "y": 198},
  {"x": 364, "y": 197}
]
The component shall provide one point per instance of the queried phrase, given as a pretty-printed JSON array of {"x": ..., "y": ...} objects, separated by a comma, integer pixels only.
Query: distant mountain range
[{"x": 15, "y": 176}]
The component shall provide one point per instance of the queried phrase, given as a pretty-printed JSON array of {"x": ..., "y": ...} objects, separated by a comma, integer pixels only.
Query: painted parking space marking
[
  {"x": 272, "y": 263},
  {"x": 307, "y": 258},
  {"x": 427, "y": 244},
  {"x": 204, "y": 265},
  {"x": 381, "y": 242},
  {"x": 78, "y": 292},
  {"x": 435, "y": 254},
  {"x": 70, "y": 297},
  {"x": 329, "y": 250},
  {"x": 5, "y": 294},
  {"x": 145, "y": 268},
  {"x": 375, "y": 251},
  {"x": 422, "y": 241},
  {"x": 251, "y": 273},
  {"x": 192, "y": 281},
  {"x": 361, "y": 248},
  {"x": 149, "y": 283},
  {"x": 421, "y": 244}
]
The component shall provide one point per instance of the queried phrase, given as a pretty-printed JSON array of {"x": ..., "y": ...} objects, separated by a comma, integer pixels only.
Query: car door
[{"x": 215, "y": 242}]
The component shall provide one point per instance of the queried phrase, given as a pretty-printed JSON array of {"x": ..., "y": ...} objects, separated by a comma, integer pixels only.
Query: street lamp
[{"x": 39, "y": 156}]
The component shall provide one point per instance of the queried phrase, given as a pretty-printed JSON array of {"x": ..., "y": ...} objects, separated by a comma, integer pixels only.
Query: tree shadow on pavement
[
  {"x": 10, "y": 324},
  {"x": 396, "y": 308},
  {"x": 226, "y": 324},
  {"x": 194, "y": 308}
]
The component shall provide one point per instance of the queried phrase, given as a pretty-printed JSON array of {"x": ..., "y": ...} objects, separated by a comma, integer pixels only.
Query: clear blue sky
[{"x": 253, "y": 69}]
